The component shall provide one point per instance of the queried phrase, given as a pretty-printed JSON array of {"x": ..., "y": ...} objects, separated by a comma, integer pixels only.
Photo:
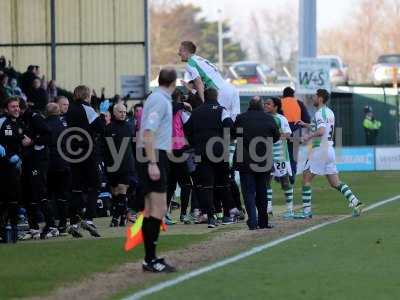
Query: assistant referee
[{"x": 155, "y": 140}]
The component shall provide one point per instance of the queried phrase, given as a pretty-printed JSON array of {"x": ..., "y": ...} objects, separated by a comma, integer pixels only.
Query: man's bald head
[{"x": 119, "y": 112}]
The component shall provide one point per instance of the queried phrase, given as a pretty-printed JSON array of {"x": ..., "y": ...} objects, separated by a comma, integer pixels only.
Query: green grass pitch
[{"x": 356, "y": 259}]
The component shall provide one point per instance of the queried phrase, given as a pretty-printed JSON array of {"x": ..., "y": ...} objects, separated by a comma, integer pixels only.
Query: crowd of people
[{"x": 67, "y": 162}]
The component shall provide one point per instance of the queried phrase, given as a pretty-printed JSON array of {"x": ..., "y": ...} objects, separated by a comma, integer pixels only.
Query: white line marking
[{"x": 166, "y": 284}]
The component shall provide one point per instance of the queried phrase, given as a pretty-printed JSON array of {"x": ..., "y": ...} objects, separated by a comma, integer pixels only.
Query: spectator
[
  {"x": 14, "y": 90},
  {"x": 9, "y": 70},
  {"x": 37, "y": 95},
  {"x": 294, "y": 111},
  {"x": 371, "y": 127},
  {"x": 63, "y": 103},
  {"x": 96, "y": 101},
  {"x": 3, "y": 64},
  {"x": 27, "y": 78},
  {"x": 52, "y": 90},
  {"x": 4, "y": 89}
]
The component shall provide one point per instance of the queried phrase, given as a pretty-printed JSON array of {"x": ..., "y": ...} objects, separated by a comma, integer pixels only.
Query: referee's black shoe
[{"x": 158, "y": 265}]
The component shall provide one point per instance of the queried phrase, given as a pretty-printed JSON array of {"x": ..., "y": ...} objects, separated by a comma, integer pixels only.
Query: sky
[
  {"x": 237, "y": 12},
  {"x": 329, "y": 13}
]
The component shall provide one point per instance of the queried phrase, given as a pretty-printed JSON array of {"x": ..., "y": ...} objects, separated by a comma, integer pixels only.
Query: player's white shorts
[
  {"x": 228, "y": 97},
  {"x": 282, "y": 168},
  {"x": 322, "y": 161}
]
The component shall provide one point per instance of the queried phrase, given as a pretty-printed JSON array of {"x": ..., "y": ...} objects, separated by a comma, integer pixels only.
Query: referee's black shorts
[
  {"x": 114, "y": 179},
  {"x": 150, "y": 186}
]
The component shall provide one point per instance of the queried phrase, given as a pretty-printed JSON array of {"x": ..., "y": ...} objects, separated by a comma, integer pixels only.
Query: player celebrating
[
  {"x": 282, "y": 169},
  {"x": 205, "y": 75},
  {"x": 322, "y": 157}
]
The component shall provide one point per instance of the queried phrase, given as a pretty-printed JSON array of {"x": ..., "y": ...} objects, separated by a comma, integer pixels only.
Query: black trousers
[
  {"x": 58, "y": 183},
  {"x": 34, "y": 185},
  {"x": 178, "y": 173},
  {"x": 10, "y": 188},
  {"x": 85, "y": 178},
  {"x": 255, "y": 193},
  {"x": 213, "y": 179}
]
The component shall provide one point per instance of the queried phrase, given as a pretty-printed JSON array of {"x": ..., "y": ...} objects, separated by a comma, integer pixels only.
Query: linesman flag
[{"x": 134, "y": 234}]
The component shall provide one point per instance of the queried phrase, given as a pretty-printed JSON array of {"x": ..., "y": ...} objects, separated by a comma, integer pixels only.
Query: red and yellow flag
[{"x": 134, "y": 235}]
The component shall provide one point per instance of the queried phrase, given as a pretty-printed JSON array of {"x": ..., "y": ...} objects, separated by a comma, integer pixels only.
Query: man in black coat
[
  {"x": 34, "y": 170},
  {"x": 208, "y": 130},
  {"x": 256, "y": 132},
  {"x": 84, "y": 124},
  {"x": 58, "y": 175}
]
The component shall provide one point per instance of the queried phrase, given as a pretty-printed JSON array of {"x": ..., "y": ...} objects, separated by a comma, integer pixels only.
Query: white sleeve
[
  {"x": 235, "y": 105},
  {"x": 191, "y": 73},
  {"x": 285, "y": 126}
]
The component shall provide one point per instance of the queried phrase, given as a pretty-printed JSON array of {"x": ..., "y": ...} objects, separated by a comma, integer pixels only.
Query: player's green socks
[
  {"x": 306, "y": 197},
  {"x": 346, "y": 191},
  {"x": 269, "y": 200},
  {"x": 289, "y": 199}
]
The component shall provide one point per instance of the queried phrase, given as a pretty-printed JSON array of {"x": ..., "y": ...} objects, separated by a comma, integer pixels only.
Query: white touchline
[{"x": 166, "y": 284}]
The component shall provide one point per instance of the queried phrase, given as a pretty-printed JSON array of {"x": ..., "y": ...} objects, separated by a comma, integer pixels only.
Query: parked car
[
  {"x": 382, "y": 71},
  {"x": 338, "y": 74},
  {"x": 251, "y": 72}
]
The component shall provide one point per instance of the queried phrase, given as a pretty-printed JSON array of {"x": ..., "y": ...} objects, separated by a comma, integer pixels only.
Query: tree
[
  {"x": 208, "y": 43},
  {"x": 173, "y": 22},
  {"x": 275, "y": 36},
  {"x": 372, "y": 30}
]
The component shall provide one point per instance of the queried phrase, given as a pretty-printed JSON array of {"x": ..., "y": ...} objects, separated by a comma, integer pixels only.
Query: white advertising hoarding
[
  {"x": 387, "y": 159},
  {"x": 313, "y": 74}
]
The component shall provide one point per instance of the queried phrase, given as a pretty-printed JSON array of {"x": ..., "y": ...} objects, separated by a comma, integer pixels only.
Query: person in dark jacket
[
  {"x": 118, "y": 140},
  {"x": 28, "y": 77},
  {"x": 37, "y": 95},
  {"x": 255, "y": 132},
  {"x": 58, "y": 175},
  {"x": 208, "y": 123},
  {"x": 11, "y": 143},
  {"x": 34, "y": 171},
  {"x": 84, "y": 124},
  {"x": 178, "y": 171}
]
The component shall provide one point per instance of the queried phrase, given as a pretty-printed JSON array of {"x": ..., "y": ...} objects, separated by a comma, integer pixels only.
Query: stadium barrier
[
  {"x": 387, "y": 158},
  {"x": 358, "y": 159}
]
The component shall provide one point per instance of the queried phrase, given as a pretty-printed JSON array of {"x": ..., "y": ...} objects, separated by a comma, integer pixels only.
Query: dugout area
[{"x": 348, "y": 105}]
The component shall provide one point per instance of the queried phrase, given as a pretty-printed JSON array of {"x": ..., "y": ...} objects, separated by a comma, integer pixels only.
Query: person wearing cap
[
  {"x": 371, "y": 126},
  {"x": 294, "y": 111}
]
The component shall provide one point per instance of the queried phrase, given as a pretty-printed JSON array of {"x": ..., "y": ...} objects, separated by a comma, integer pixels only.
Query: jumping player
[
  {"x": 321, "y": 160},
  {"x": 205, "y": 75}
]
